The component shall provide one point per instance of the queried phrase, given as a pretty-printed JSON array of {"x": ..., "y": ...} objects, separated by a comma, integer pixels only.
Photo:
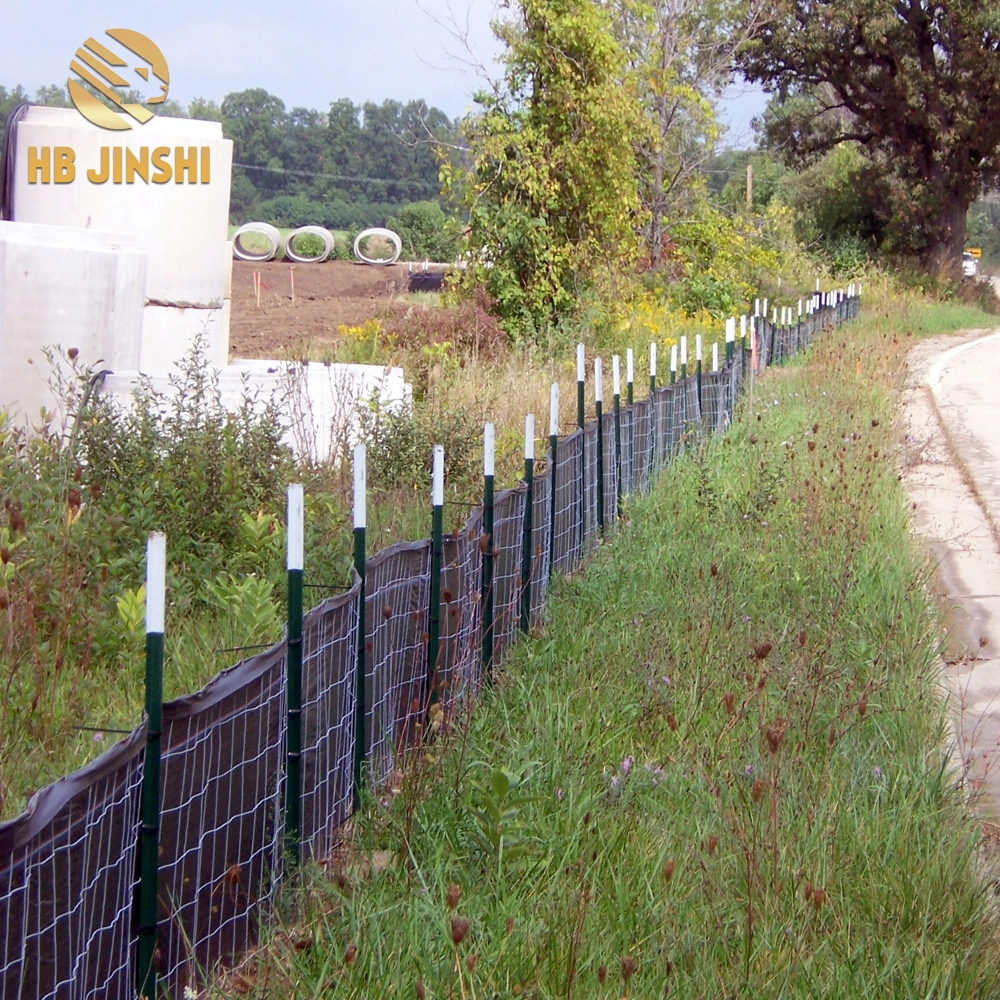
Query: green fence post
[
  {"x": 698, "y": 347},
  {"x": 526, "y": 538},
  {"x": 486, "y": 590},
  {"x": 581, "y": 376},
  {"x": 652, "y": 415},
  {"x": 599, "y": 409},
  {"x": 684, "y": 358},
  {"x": 149, "y": 843},
  {"x": 437, "y": 557},
  {"x": 295, "y": 541},
  {"x": 629, "y": 376},
  {"x": 673, "y": 364},
  {"x": 616, "y": 385},
  {"x": 360, "y": 523},
  {"x": 553, "y": 450}
]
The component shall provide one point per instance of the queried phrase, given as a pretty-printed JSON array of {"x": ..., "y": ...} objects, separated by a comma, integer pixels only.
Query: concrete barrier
[{"x": 77, "y": 288}]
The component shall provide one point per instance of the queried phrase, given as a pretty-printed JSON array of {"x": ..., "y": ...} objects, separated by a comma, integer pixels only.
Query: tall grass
[{"x": 721, "y": 768}]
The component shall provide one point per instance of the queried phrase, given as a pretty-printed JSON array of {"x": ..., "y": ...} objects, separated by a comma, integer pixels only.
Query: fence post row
[
  {"x": 793, "y": 330},
  {"x": 149, "y": 844}
]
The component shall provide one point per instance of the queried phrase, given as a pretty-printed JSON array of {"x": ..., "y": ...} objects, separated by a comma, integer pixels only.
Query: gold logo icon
[{"x": 96, "y": 64}]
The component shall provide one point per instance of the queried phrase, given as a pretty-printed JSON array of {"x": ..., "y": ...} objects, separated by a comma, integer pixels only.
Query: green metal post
[
  {"x": 553, "y": 451},
  {"x": 293, "y": 677},
  {"x": 486, "y": 590},
  {"x": 652, "y": 416},
  {"x": 581, "y": 417},
  {"x": 526, "y": 525},
  {"x": 684, "y": 358},
  {"x": 360, "y": 523},
  {"x": 617, "y": 387},
  {"x": 599, "y": 409},
  {"x": 437, "y": 558},
  {"x": 149, "y": 837}
]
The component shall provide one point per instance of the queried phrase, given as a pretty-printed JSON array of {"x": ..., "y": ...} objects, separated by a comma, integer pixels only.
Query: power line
[{"x": 337, "y": 177}]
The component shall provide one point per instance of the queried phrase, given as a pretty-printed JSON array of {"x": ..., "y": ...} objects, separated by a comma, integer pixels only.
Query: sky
[{"x": 307, "y": 52}]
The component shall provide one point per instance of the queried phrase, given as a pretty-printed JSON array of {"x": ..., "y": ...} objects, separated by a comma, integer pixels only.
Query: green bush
[
  {"x": 426, "y": 232},
  {"x": 309, "y": 245},
  {"x": 399, "y": 444}
]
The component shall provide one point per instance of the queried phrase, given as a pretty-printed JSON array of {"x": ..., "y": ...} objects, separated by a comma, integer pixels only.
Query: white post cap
[
  {"x": 554, "y": 410},
  {"x": 295, "y": 537},
  {"x": 360, "y": 487},
  {"x": 529, "y": 436},
  {"x": 489, "y": 451},
  {"x": 437, "y": 476},
  {"x": 156, "y": 582}
]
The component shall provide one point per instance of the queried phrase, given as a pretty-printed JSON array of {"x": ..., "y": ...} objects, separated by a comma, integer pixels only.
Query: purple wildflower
[{"x": 627, "y": 765}]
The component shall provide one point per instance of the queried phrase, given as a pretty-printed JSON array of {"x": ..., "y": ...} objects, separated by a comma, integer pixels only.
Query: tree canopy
[
  {"x": 351, "y": 166},
  {"x": 915, "y": 83}
]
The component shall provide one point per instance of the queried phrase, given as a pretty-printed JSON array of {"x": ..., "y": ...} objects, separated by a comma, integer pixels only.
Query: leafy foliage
[
  {"x": 917, "y": 85},
  {"x": 427, "y": 233},
  {"x": 551, "y": 186}
]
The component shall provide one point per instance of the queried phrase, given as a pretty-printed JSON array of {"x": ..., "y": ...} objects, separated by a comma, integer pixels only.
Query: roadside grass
[{"x": 719, "y": 770}]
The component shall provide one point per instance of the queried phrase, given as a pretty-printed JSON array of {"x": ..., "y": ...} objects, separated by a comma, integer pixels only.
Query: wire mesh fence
[{"x": 68, "y": 865}]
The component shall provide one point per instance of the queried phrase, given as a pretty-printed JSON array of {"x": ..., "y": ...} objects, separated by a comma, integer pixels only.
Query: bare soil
[{"x": 327, "y": 296}]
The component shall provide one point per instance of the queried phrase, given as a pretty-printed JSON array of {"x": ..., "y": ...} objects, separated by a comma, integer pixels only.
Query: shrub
[
  {"x": 308, "y": 245},
  {"x": 426, "y": 232},
  {"x": 400, "y": 443}
]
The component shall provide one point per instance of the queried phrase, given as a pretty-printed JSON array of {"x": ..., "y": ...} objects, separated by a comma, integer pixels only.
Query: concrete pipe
[
  {"x": 261, "y": 229},
  {"x": 324, "y": 234},
  {"x": 387, "y": 234}
]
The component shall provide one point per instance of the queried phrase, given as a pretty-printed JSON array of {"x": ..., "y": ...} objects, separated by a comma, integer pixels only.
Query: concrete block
[
  {"x": 183, "y": 227},
  {"x": 69, "y": 287},
  {"x": 168, "y": 334}
]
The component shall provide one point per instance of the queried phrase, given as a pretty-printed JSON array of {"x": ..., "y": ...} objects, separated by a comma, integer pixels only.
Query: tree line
[{"x": 351, "y": 166}]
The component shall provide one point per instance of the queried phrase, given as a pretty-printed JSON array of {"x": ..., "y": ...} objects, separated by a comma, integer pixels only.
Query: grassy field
[{"x": 721, "y": 769}]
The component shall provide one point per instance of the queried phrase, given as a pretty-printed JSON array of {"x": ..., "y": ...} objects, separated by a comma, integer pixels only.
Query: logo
[{"x": 96, "y": 65}]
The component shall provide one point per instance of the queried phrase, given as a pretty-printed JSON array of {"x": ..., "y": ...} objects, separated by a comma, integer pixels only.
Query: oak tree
[{"x": 916, "y": 83}]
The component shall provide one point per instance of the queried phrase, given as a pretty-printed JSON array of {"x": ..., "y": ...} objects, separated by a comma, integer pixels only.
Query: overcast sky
[{"x": 308, "y": 52}]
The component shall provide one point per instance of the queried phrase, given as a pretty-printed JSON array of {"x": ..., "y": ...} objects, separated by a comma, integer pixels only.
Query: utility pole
[{"x": 749, "y": 187}]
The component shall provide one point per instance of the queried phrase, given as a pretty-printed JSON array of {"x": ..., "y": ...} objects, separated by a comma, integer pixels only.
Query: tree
[
  {"x": 550, "y": 187},
  {"x": 915, "y": 82},
  {"x": 681, "y": 54}
]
